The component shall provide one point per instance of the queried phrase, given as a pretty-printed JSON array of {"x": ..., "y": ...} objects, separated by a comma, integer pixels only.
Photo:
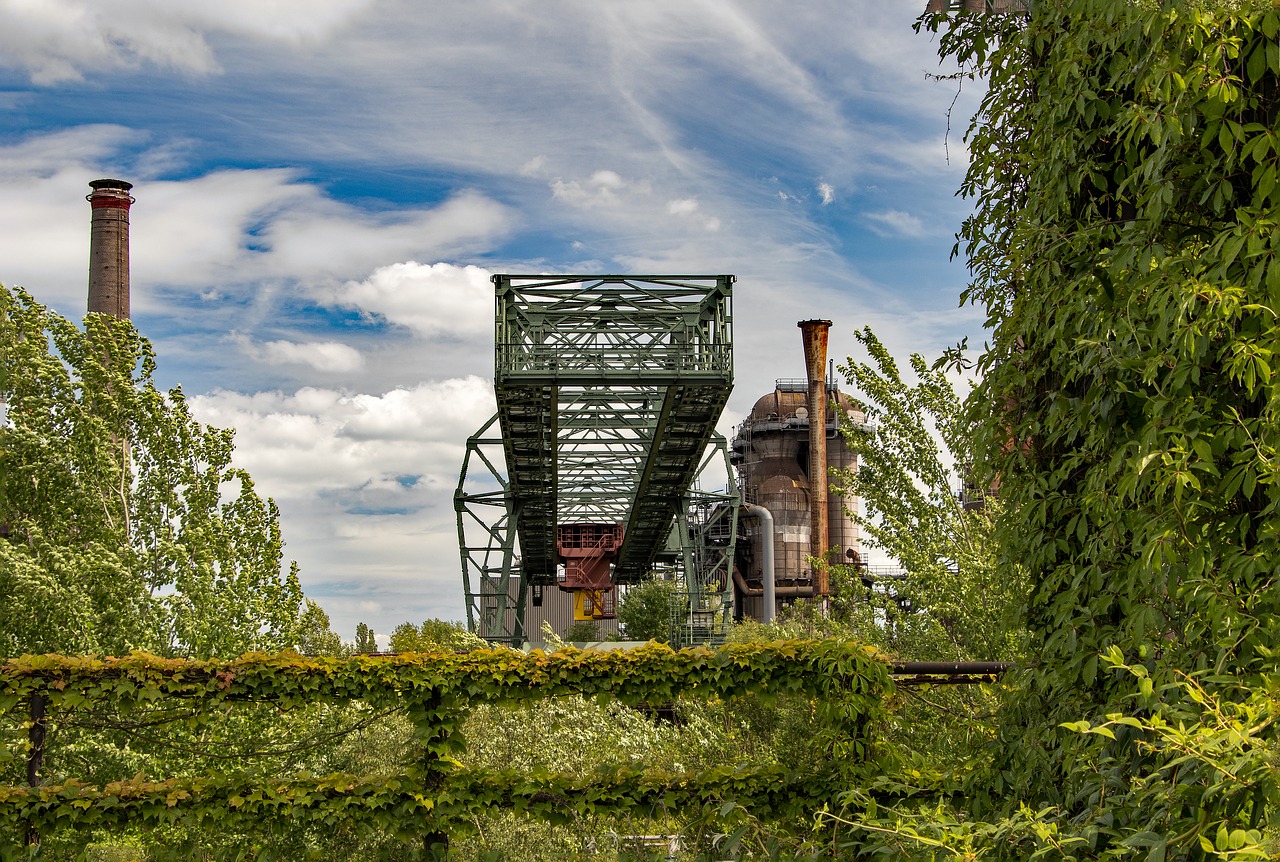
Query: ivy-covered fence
[{"x": 434, "y": 796}]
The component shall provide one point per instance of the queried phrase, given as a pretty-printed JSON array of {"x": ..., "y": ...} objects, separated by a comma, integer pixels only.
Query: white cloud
[
  {"x": 55, "y": 41},
  {"x": 326, "y": 441},
  {"x": 602, "y": 189},
  {"x": 688, "y": 208},
  {"x": 214, "y": 233},
  {"x": 827, "y": 192},
  {"x": 48, "y": 155},
  {"x": 255, "y": 223},
  {"x": 534, "y": 166},
  {"x": 326, "y": 238},
  {"x": 365, "y": 486},
  {"x": 325, "y": 356},
  {"x": 895, "y": 222},
  {"x": 431, "y": 299}
]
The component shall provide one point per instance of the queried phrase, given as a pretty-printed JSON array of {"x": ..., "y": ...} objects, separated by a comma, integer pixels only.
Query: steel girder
[
  {"x": 608, "y": 391},
  {"x": 495, "y": 593},
  {"x": 705, "y": 535},
  {"x": 697, "y": 553}
]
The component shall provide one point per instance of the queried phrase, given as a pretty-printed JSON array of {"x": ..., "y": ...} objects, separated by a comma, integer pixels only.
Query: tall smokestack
[
  {"x": 109, "y": 247},
  {"x": 814, "y": 333}
]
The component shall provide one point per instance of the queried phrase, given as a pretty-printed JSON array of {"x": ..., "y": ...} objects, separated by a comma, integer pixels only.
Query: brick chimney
[{"x": 109, "y": 247}]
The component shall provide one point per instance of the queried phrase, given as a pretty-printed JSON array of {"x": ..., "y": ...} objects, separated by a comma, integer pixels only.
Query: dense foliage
[
  {"x": 921, "y": 507},
  {"x": 644, "y": 611},
  {"x": 1124, "y": 244},
  {"x": 428, "y": 792},
  {"x": 118, "y": 532},
  {"x": 433, "y": 635}
]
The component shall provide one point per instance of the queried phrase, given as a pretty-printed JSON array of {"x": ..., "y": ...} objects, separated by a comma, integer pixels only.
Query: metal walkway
[{"x": 608, "y": 390}]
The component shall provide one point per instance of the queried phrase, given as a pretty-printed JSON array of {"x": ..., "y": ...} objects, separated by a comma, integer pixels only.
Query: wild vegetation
[
  {"x": 119, "y": 534},
  {"x": 1124, "y": 245},
  {"x": 922, "y": 506},
  {"x": 441, "y": 786}
]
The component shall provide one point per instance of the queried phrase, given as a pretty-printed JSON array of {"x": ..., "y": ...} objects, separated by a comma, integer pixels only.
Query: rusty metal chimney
[
  {"x": 814, "y": 333},
  {"x": 109, "y": 247}
]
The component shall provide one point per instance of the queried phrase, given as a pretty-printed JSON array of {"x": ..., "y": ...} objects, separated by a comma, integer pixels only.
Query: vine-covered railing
[{"x": 434, "y": 795}]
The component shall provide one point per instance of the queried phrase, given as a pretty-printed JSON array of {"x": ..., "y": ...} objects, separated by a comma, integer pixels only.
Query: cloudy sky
[{"x": 324, "y": 187}]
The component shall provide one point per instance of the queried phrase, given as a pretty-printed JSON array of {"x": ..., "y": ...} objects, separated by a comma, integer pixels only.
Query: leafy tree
[
  {"x": 1123, "y": 246},
  {"x": 315, "y": 634},
  {"x": 580, "y": 631},
  {"x": 365, "y": 641},
  {"x": 645, "y": 611},
  {"x": 434, "y": 634},
  {"x": 919, "y": 507},
  {"x": 125, "y": 524}
]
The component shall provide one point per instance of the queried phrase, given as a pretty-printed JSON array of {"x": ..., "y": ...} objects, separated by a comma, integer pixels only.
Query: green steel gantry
[{"x": 608, "y": 389}]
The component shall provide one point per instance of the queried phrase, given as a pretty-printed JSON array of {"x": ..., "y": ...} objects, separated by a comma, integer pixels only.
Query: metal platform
[{"x": 608, "y": 391}]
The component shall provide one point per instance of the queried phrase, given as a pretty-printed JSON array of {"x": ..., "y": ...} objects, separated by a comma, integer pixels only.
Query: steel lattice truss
[{"x": 608, "y": 388}]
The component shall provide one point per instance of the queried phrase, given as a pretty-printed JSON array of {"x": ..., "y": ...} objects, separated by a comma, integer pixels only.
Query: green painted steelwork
[
  {"x": 704, "y": 539},
  {"x": 608, "y": 390},
  {"x": 495, "y": 599},
  {"x": 620, "y": 378}
]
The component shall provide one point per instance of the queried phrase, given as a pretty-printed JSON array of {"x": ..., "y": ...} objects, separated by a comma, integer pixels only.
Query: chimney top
[{"x": 110, "y": 184}]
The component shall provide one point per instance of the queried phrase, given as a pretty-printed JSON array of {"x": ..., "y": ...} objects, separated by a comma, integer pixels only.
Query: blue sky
[{"x": 324, "y": 186}]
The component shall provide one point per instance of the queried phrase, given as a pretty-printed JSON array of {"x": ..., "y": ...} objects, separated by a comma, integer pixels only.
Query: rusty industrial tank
[{"x": 771, "y": 454}]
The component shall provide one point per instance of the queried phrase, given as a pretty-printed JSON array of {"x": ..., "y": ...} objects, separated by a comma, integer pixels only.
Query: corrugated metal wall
[{"x": 557, "y": 609}]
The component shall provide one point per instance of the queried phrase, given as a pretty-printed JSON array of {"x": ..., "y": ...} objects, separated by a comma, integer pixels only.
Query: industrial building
[
  {"x": 609, "y": 388},
  {"x": 589, "y": 476},
  {"x": 772, "y": 454}
]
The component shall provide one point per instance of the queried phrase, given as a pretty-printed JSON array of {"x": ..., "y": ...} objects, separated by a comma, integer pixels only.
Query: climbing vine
[
  {"x": 1124, "y": 244},
  {"x": 433, "y": 795}
]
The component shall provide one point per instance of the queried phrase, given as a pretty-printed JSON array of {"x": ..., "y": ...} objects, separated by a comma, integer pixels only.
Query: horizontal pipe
[
  {"x": 947, "y": 672},
  {"x": 804, "y": 592}
]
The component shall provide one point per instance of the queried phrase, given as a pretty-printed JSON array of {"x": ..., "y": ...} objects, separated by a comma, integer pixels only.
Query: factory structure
[
  {"x": 772, "y": 452},
  {"x": 592, "y": 476},
  {"x": 596, "y": 473}
]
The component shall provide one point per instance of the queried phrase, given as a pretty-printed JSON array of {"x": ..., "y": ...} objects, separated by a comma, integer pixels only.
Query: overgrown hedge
[{"x": 434, "y": 795}]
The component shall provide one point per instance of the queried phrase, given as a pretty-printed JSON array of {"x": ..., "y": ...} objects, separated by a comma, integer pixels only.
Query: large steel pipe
[{"x": 765, "y": 517}]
